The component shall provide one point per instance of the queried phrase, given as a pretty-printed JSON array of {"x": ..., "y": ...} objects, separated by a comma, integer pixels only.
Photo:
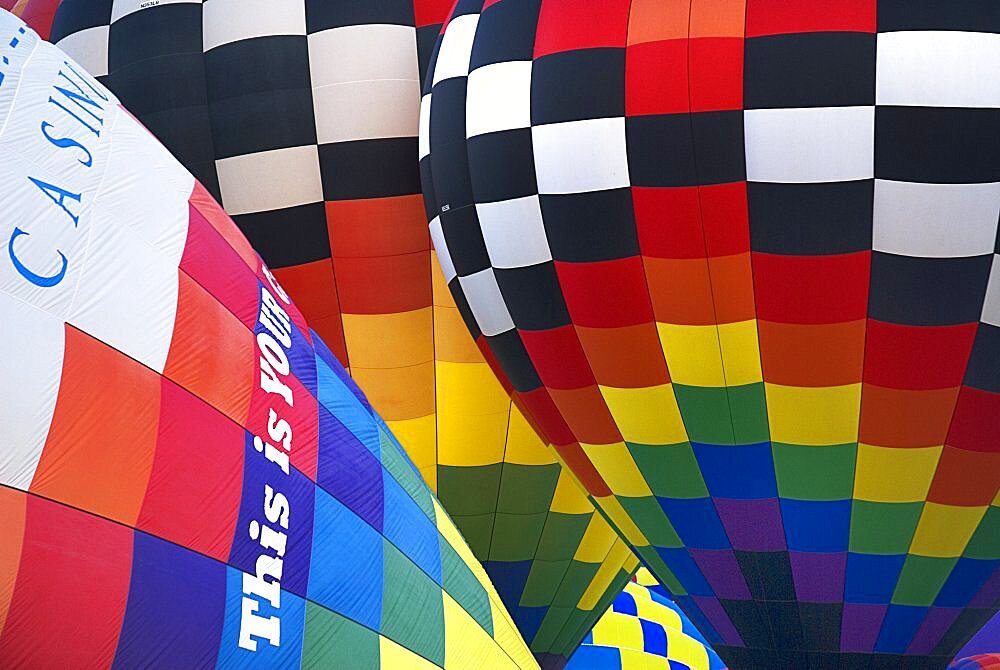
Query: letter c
[{"x": 36, "y": 279}]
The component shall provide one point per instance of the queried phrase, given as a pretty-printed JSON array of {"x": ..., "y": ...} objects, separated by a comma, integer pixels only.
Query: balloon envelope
[
  {"x": 189, "y": 478},
  {"x": 739, "y": 261},
  {"x": 302, "y": 118}
]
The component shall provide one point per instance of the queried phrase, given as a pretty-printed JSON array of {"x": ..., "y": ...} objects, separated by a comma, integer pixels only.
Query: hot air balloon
[
  {"x": 978, "y": 662},
  {"x": 38, "y": 14},
  {"x": 984, "y": 643},
  {"x": 189, "y": 478},
  {"x": 739, "y": 262},
  {"x": 302, "y": 118},
  {"x": 644, "y": 630}
]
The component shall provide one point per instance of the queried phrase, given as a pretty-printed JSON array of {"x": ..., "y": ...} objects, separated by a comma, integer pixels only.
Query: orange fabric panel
[
  {"x": 643, "y": 366},
  {"x": 109, "y": 399},
  {"x": 732, "y": 288},
  {"x": 313, "y": 287},
  {"x": 398, "y": 393},
  {"x": 587, "y": 415},
  {"x": 680, "y": 290},
  {"x": 965, "y": 478},
  {"x": 903, "y": 418},
  {"x": 653, "y": 20},
  {"x": 812, "y": 355},
  {"x": 390, "y": 340},
  {"x": 718, "y": 18},
  {"x": 12, "y": 509},
  {"x": 385, "y": 284},
  {"x": 377, "y": 227},
  {"x": 221, "y": 376}
]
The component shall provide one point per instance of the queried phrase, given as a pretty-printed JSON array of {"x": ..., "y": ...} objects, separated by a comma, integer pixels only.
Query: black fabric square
[
  {"x": 967, "y": 623},
  {"x": 462, "y": 303},
  {"x": 587, "y": 227},
  {"x": 427, "y": 182},
  {"x": 983, "y": 371},
  {"x": 533, "y": 296},
  {"x": 326, "y": 14},
  {"x": 981, "y": 16},
  {"x": 941, "y": 145},
  {"x": 576, "y": 85},
  {"x": 718, "y": 147},
  {"x": 661, "y": 150},
  {"x": 465, "y": 240},
  {"x": 820, "y": 623},
  {"x": 258, "y": 65},
  {"x": 502, "y": 165},
  {"x": 506, "y": 32},
  {"x": 76, "y": 15},
  {"x": 452, "y": 185},
  {"x": 154, "y": 33},
  {"x": 379, "y": 168},
  {"x": 426, "y": 39},
  {"x": 750, "y": 619},
  {"x": 768, "y": 574},
  {"x": 809, "y": 70},
  {"x": 509, "y": 351},
  {"x": 811, "y": 219},
  {"x": 447, "y": 122},
  {"x": 927, "y": 291},
  {"x": 161, "y": 84},
  {"x": 786, "y": 627},
  {"x": 290, "y": 236}
]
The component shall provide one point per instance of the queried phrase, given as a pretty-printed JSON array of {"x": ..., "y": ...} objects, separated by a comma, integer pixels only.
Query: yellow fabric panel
[
  {"x": 391, "y": 340},
  {"x": 524, "y": 446},
  {"x": 813, "y": 416},
  {"x": 419, "y": 437},
  {"x": 452, "y": 340},
  {"x": 569, "y": 497},
  {"x": 693, "y": 354},
  {"x": 687, "y": 650},
  {"x": 605, "y": 574},
  {"x": 507, "y": 636},
  {"x": 622, "y": 520},
  {"x": 653, "y": 611},
  {"x": 466, "y": 644},
  {"x": 393, "y": 655},
  {"x": 618, "y": 630},
  {"x": 886, "y": 474},
  {"x": 615, "y": 463},
  {"x": 646, "y": 415},
  {"x": 945, "y": 530},
  {"x": 472, "y": 415},
  {"x": 645, "y": 578},
  {"x": 633, "y": 659},
  {"x": 398, "y": 393},
  {"x": 597, "y": 541},
  {"x": 740, "y": 352}
]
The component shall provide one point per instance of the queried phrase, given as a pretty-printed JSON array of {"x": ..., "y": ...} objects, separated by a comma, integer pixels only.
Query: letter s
[
  {"x": 36, "y": 279},
  {"x": 276, "y": 507}
]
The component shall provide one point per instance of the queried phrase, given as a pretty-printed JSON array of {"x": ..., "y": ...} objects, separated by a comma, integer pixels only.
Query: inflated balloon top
[
  {"x": 739, "y": 261},
  {"x": 188, "y": 477},
  {"x": 977, "y": 662}
]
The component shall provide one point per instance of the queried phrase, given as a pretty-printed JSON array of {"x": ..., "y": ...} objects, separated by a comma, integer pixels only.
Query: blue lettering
[
  {"x": 36, "y": 279},
  {"x": 67, "y": 143},
  {"x": 51, "y": 191}
]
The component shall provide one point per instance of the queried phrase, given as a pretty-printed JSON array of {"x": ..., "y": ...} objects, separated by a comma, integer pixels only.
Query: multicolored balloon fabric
[
  {"x": 978, "y": 662},
  {"x": 302, "y": 118},
  {"x": 189, "y": 479},
  {"x": 644, "y": 631},
  {"x": 739, "y": 261}
]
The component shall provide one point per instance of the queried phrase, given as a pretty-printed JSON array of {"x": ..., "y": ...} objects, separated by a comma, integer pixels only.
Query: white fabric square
[
  {"x": 808, "y": 145},
  {"x": 89, "y": 48},
  {"x": 935, "y": 220},
  {"x": 580, "y": 156},
  {"x": 514, "y": 232},
  {"x": 441, "y": 248},
  {"x": 122, "y": 8},
  {"x": 366, "y": 110},
  {"x": 270, "y": 180},
  {"x": 362, "y": 53},
  {"x": 33, "y": 359},
  {"x": 456, "y": 48},
  {"x": 991, "y": 309},
  {"x": 226, "y": 21},
  {"x": 938, "y": 69},
  {"x": 486, "y": 302},
  {"x": 498, "y": 98},
  {"x": 424, "y": 127}
]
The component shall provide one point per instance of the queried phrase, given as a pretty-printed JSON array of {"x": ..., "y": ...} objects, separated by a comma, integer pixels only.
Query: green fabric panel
[
  {"x": 543, "y": 581},
  {"x": 527, "y": 489},
  {"x": 578, "y": 577},
  {"x": 650, "y": 517},
  {"x": 469, "y": 490},
  {"x": 396, "y": 464},
  {"x": 332, "y": 641},
  {"x": 461, "y": 584},
  {"x": 551, "y": 627},
  {"x": 883, "y": 528},
  {"x": 477, "y": 531},
  {"x": 561, "y": 536},
  {"x": 985, "y": 542},
  {"x": 921, "y": 579},
  {"x": 748, "y": 407},
  {"x": 815, "y": 473},
  {"x": 572, "y": 631},
  {"x": 412, "y": 606},
  {"x": 515, "y": 536},
  {"x": 671, "y": 470},
  {"x": 705, "y": 410}
]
